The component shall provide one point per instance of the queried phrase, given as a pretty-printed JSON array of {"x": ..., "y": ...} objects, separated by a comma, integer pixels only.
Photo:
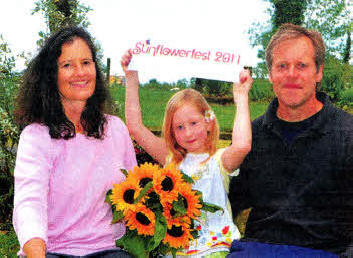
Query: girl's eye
[
  {"x": 66, "y": 65},
  {"x": 87, "y": 62},
  {"x": 180, "y": 127},
  {"x": 193, "y": 123}
]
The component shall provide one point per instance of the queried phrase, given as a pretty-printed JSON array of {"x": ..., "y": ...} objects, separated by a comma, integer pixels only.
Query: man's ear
[
  {"x": 270, "y": 76},
  {"x": 320, "y": 73}
]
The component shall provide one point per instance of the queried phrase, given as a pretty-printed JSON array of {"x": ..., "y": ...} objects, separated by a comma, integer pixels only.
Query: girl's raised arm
[
  {"x": 152, "y": 144},
  {"x": 234, "y": 155}
]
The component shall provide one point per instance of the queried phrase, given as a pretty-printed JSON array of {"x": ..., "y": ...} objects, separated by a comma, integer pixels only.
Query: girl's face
[
  {"x": 76, "y": 72},
  {"x": 190, "y": 129}
]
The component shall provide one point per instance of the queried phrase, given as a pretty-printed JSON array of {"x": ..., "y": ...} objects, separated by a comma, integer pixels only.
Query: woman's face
[{"x": 76, "y": 72}]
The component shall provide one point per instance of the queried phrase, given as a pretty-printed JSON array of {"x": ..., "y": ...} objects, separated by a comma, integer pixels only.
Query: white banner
[{"x": 152, "y": 57}]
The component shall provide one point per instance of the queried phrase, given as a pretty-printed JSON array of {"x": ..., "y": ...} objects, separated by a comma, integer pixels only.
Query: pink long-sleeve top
[{"x": 60, "y": 188}]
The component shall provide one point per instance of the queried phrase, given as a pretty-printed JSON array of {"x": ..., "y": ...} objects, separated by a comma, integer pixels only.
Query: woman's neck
[{"x": 73, "y": 111}]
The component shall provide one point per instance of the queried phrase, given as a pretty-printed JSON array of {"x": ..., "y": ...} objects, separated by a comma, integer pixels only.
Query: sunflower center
[
  {"x": 129, "y": 196},
  {"x": 144, "y": 181},
  {"x": 172, "y": 212},
  {"x": 167, "y": 184},
  {"x": 175, "y": 231},
  {"x": 140, "y": 217}
]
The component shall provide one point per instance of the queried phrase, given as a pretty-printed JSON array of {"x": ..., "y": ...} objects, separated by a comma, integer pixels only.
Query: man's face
[{"x": 293, "y": 73}]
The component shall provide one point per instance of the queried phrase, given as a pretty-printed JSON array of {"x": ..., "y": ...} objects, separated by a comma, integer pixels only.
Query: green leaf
[
  {"x": 117, "y": 216},
  {"x": 206, "y": 206},
  {"x": 124, "y": 171},
  {"x": 187, "y": 179},
  {"x": 179, "y": 207},
  {"x": 144, "y": 191},
  {"x": 107, "y": 198},
  {"x": 133, "y": 243},
  {"x": 160, "y": 230},
  {"x": 195, "y": 234}
]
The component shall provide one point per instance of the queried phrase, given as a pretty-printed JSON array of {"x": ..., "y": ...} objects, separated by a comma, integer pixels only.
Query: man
[{"x": 298, "y": 177}]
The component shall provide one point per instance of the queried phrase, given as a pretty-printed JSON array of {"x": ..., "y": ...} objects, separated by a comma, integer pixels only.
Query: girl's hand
[
  {"x": 243, "y": 87},
  {"x": 125, "y": 60}
]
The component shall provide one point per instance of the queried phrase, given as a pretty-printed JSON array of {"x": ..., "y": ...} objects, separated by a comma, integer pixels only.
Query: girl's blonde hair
[{"x": 195, "y": 98}]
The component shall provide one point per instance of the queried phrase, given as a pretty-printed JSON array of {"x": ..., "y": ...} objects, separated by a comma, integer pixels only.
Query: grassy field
[{"x": 153, "y": 102}]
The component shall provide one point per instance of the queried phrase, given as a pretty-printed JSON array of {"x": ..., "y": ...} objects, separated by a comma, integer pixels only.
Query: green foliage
[
  {"x": 333, "y": 19},
  {"x": 212, "y": 87},
  {"x": 330, "y": 17},
  {"x": 337, "y": 77},
  {"x": 346, "y": 98},
  {"x": 8, "y": 244},
  {"x": 62, "y": 13},
  {"x": 9, "y": 132},
  {"x": 261, "y": 90},
  {"x": 291, "y": 11},
  {"x": 281, "y": 11},
  {"x": 59, "y": 14}
]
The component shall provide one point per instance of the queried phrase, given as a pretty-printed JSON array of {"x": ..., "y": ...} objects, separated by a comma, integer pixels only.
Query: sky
[{"x": 119, "y": 24}]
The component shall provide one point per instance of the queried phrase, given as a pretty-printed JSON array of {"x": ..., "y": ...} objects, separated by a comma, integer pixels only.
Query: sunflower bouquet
[{"x": 159, "y": 207}]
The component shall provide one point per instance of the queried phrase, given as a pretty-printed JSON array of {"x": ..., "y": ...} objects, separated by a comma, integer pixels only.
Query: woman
[{"x": 69, "y": 155}]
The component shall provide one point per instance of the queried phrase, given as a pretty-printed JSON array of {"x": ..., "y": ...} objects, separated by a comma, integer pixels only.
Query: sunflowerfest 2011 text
[
  {"x": 154, "y": 58},
  {"x": 216, "y": 56}
]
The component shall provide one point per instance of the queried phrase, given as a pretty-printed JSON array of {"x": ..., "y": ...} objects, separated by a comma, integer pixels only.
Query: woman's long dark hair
[{"x": 39, "y": 100}]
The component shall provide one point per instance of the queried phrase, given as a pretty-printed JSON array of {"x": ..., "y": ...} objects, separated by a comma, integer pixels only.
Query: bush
[
  {"x": 212, "y": 87},
  {"x": 9, "y": 132},
  {"x": 346, "y": 98},
  {"x": 261, "y": 90},
  {"x": 336, "y": 77}
]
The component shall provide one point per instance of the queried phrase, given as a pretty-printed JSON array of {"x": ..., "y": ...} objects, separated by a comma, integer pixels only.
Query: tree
[
  {"x": 333, "y": 19},
  {"x": 281, "y": 11},
  {"x": 330, "y": 17},
  {"x": 61, "y": 13},
  {"x": 347, "y": 50},
  {"x": 288, "y": 11}
]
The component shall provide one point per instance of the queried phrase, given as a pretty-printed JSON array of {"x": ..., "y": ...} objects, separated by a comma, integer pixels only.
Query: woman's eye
[
  {"x": 193, "y": 123},
  {"x": 87, "y": 62},
  {"x": 282, "y": 66},
  {"x": 66, "y": 65},
  {"x": 180, "y": 127}
]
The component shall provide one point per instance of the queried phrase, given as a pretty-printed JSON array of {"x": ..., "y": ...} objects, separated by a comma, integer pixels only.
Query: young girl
[{"x": 190, "y": 134}]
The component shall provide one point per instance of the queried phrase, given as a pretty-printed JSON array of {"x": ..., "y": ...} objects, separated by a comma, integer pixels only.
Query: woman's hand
[{"x": 35, "y": 248}]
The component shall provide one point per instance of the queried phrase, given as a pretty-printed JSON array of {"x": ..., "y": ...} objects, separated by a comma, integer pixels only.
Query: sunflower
[
  {"x": 142, "y": 219},
  {"x": 166, "y": 183},
  {"x": 143, "y": 174},
  {"x": 124, "y": 194},
  {"x": 169, "y": 213},
  {"x": 191, "y": 201},
  {"x": 178, "y": 236}
]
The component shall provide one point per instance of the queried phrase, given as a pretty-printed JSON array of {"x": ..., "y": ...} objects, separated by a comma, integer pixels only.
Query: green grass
[
  {"x": 153, "y": 102},
  {"x": 9, "y": 245}
]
